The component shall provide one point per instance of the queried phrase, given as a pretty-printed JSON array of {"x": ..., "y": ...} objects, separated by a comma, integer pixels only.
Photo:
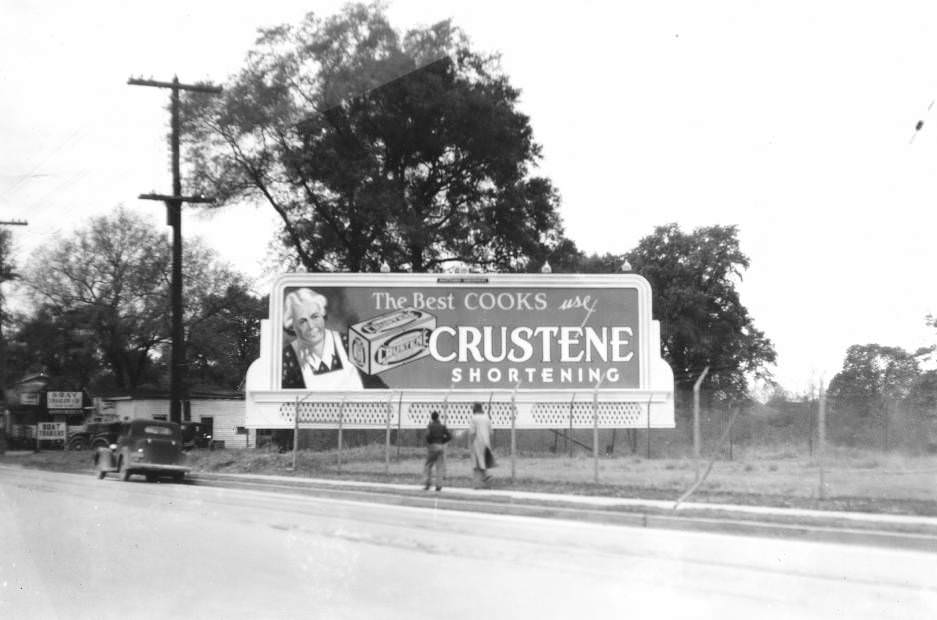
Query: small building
[
  {"x": 220, "y": 412},
  {"x": 37, "y": 411}
]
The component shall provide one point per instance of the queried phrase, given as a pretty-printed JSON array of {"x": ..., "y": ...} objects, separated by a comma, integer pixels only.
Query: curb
[{"x": 918, "y": 533}]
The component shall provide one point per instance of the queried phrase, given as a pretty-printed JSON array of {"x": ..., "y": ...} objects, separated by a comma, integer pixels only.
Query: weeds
[{"x": 779, "y": 474}]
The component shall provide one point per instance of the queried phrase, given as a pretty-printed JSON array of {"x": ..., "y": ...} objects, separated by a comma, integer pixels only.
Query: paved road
[{"x": 76, "y": 547}]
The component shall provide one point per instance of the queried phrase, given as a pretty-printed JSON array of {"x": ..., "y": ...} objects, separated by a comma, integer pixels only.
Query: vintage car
[
  {"x": 94, "y": 435},
  {"x": 195, "y": 435},
  {"x": 152, "y": 448}
]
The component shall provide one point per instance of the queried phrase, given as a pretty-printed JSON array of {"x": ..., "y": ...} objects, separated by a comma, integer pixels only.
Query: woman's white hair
[{"x": 297, "y": 297}]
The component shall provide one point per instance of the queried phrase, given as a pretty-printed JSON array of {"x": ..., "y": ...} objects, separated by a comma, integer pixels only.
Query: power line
[{"x": 45, "y": 155}]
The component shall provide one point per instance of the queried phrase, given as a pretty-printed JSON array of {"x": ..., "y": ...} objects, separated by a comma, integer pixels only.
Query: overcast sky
[{"x": 791, "y": 120}]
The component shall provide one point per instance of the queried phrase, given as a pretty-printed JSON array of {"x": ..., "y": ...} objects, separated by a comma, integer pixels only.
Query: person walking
[
  {"x": 437, "y": 436},
  {"x": 479, "y": 433}
]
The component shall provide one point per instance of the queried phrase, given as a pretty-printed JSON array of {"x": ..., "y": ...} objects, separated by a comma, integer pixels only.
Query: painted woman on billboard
[{"x": 315, "y": 357}]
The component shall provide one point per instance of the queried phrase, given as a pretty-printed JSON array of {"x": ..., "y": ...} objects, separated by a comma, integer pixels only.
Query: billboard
[{"x": 363, "y": 337}]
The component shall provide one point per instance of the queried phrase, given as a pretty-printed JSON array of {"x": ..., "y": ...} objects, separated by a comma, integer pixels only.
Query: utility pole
[
  {"x": 3, "y": 278},
  {"x": 174, "y": 219}
]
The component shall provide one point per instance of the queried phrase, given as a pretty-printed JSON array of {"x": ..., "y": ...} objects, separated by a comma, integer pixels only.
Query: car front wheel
[{"x": 78, "y": 443}]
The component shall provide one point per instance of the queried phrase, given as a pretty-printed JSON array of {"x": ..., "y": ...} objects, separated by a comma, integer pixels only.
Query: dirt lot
[{"x": 855, "y": 480}]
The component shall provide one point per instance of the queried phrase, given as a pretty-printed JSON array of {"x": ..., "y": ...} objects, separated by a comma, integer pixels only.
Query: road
[{"x": 77, "y": 547}]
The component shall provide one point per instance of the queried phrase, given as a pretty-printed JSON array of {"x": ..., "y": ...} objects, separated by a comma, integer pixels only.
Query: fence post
[
  {"x": 295, "y": 432},
  {"x": 696, "y": 431},
  {"x": 390, "y": 411},
  {"x": 885, "y": 428},
  {"x": 341, "y": 417},
  {"x": 569, "y": 436},
  {"x": 730, "y": 434},
  {"x": 399, "y": 421},
  {"x": 810, "y": 431},
  {"x": 445, "y": 404},
  {"x": 513, "y": 431},
  {"x": 821, "y": 437},
  {"x": 712, "y": 462},
  {"x": 491, "y": 396},
  {"x": 649, "y": 398},
  {"x": 595, "y": 430}
]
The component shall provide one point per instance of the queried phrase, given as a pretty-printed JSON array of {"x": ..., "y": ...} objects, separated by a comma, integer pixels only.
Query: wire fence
[
  {"x": 748, "y": 450},
  {"x": 789, "y": 427}
]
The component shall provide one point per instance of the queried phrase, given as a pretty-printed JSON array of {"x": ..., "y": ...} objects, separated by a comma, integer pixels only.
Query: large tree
[
  {"x": 112, "y": 278},
  {"x": 872, "y": 377},
  {"x": 703, "y": 321},
  {"x": 226, "y": 340},
  {"x": 55, "y": 341},
  {"x": 375, "y": 146}
]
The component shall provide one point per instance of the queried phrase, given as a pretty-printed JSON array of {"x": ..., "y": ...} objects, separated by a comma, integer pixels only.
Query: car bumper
[{"x": 141, "y": 466}]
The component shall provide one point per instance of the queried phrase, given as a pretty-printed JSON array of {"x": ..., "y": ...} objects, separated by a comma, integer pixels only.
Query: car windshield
[{"x": 157, "y": 430}]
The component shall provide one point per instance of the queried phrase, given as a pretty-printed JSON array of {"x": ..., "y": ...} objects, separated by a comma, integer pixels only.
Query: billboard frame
[{"x": 653, "y": 394}]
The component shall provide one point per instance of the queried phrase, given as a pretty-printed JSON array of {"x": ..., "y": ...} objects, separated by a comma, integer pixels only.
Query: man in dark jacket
[{"x": 437, "y": 436}]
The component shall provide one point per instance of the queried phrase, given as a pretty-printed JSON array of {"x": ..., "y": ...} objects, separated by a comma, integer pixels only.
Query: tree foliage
[
  {"x": 7, "y": 265},
  {"x": 7, "y": 273},
  {"x": 872, "y": 376},
  {"x": 922, "y": 397},
  {"x": 55, "y": 342},
  {"x": 224, "y": 342},
  {"x": 109, "y": 285},
  {"x": 375, "y": 146},
  {"x": 703, "y": 322},
  {"x": 568, "y": 259}
]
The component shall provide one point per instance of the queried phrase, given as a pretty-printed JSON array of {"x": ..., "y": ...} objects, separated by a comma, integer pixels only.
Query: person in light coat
[{"x": 479, "y": 435}]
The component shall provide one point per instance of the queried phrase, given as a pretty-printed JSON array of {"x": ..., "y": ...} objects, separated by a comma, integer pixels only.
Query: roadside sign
[
  {"x": 50, "y": 430},
  {"x": 63, "y": 400}
]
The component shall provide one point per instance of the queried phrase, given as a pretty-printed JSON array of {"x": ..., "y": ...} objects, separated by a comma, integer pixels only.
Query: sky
[{"x": 793, "y": 121}]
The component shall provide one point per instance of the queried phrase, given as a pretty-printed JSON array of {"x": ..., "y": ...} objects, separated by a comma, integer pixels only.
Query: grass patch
[{"x": 779, "y": 476}]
